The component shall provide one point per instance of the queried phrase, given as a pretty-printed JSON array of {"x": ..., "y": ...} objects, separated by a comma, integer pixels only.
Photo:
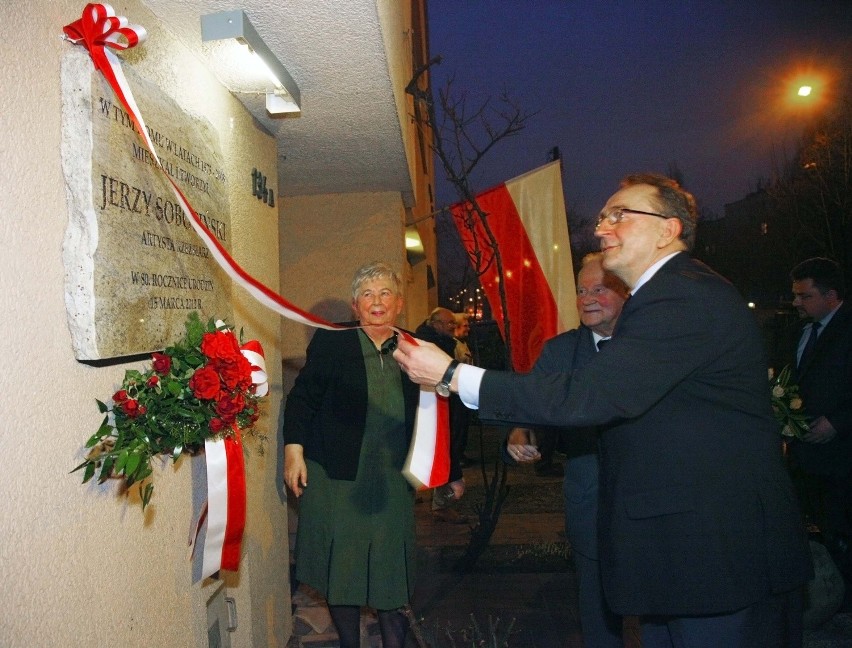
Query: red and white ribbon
[
  {"x": 226, "y": 483},
  {"x": 226, "y": 504},
  {"x": 98, "y": 29},
  {"x": 253, "y": 352},
  {"x": 428, "y": 461}
]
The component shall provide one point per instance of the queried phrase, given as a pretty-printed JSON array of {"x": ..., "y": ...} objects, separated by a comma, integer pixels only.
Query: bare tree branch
[{"x": 460, "y": 139}]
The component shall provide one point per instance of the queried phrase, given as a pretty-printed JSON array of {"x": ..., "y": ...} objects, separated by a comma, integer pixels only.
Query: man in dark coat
[
  {"x": 600, "y": 298},
  {"x": 699, "y": 532},
  {"x": 824, "y": 375}
]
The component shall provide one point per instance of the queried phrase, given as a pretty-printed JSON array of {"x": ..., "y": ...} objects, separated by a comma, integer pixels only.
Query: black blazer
[
  {"x": 697, "y": 512},
  {"x": 327, "y": 408},
  {"x": 825, "y": 385}
]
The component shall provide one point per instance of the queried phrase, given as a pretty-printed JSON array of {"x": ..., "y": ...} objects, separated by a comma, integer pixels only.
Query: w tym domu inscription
[{"x": 134, "y": 264}]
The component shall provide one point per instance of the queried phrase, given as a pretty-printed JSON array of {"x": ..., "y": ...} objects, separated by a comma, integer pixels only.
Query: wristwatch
[{"x": 443, "y": 387}]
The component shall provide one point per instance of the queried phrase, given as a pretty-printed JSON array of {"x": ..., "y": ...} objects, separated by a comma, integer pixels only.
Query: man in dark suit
[
  {"x": 600, "y": 298},
  {"x": 698, "y": 529},
  {"x": 824, "y": 375}
]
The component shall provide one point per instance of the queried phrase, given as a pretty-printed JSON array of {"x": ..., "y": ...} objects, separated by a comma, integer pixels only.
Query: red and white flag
[{"x": 528, "y": 219}]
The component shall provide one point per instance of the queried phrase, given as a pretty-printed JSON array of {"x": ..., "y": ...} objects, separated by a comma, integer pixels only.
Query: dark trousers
[
  {"x": 775, "y": 622},
  {"x": 459, "y": 419}
]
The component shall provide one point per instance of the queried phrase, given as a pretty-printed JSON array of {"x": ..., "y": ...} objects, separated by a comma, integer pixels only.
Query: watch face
[{"x": 442, "y": 389}]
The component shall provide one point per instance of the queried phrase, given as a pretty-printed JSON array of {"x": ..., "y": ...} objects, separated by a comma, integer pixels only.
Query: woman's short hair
[{"x": 375, "y": 270}]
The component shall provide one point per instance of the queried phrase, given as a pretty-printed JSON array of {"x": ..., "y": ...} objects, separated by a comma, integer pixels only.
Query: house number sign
[{"x": 259, "y": 189}]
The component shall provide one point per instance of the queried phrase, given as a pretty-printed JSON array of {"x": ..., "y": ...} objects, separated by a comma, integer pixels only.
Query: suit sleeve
[
  {"x": 840, "y": 416},
  {"x": 666, "y": 334}
]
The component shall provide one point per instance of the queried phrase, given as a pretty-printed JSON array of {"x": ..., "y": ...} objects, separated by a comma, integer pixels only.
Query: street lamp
[{"x": 808, "y": 90}]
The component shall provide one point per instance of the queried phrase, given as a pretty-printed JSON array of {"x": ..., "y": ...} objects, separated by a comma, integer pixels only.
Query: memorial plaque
[{"x": 134, "y": 266}]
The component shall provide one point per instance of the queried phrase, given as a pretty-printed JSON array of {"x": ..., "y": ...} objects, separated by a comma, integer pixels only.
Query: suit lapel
[{"x": 834, "y": 329}]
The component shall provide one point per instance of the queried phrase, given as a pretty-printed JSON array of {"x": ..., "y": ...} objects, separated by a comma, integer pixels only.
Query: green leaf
[
  {"x": 94, "y": 439},
  {"x": 102, "y": 406},
  {"x": 194, "y": 330},
  {"x": 85, "y": 463},
  {"x": 121, "y": 462},
  {"x": 90, "y": 472},
  {"x": 132, "y": 463},
  {"x": 146, "y": 493},
  {"x": 106, "y": 469}
]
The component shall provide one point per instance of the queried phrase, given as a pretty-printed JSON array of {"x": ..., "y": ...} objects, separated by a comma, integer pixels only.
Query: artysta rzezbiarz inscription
[{"x": 149, "y": 267}]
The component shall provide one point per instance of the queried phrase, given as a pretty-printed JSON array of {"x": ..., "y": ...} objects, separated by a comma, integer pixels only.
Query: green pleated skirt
[{"x": 355, "y": 540}]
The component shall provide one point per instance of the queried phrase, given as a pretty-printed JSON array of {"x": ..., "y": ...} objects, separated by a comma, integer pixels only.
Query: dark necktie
[
  {"x": 808, "y": 351},
  {"x": 602, "y": 343}
]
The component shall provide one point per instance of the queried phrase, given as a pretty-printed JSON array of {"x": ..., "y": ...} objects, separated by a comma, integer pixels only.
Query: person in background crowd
[
  {"x": 600, "y": 297},
  {"x": 824, "y": 375},
  {"x": 460, "y": 414},
  {"x": 462, "y": 353},
  {"x": 439, "y": 329},
  {"x": 699, "y": 533},
  {"x": 348, "y": 423}
]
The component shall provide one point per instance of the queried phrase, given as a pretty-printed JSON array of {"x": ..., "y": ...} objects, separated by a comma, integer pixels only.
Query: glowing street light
[{"x": 805, "y": 91}]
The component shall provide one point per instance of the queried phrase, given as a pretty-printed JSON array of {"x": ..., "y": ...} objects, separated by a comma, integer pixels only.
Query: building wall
[{"x": 82, "y": 564}]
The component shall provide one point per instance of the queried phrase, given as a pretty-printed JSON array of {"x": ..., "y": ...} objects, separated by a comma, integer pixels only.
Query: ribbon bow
[{"x": 99, "y": 27}]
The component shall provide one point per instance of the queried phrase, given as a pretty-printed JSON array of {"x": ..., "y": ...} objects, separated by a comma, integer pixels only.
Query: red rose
[
  {"x": 236, "y": 374},
  {"x": 216, "y": 425},
  {"x": 205, "y": 383},
  {"x": 220, "y": 346},
  {"x": 120, "y": 396},
  {"x": 153, "y": 381},
  {"x": 161, "y": 363},
  {"x": 229, "y": 406},
  {"x": 131, "y": 408}
]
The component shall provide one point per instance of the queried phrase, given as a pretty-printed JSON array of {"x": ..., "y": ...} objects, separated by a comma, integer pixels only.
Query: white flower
[
  {"x": 788, "y": 431},
  {"x": 796, "y": 403},
  {"x": 778, "y": 391},
  {"x": 771, "y": 372}
]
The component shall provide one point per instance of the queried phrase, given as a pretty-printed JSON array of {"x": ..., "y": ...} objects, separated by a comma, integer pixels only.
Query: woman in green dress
[{"x": 347, "y": 426}]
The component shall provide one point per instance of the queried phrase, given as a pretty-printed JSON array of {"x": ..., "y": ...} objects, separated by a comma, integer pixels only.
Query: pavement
[{"x": 522, "y": 588}]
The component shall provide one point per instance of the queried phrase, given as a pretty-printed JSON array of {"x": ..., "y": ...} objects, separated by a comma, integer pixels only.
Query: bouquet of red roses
[{"x": 201, "y": 387}]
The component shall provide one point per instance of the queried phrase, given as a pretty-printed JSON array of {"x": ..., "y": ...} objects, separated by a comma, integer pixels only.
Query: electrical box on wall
[{"x": 221, "y": 619}]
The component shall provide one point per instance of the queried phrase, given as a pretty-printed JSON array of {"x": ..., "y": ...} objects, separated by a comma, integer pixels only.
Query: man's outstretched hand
[{"x": 424, "y": 362}]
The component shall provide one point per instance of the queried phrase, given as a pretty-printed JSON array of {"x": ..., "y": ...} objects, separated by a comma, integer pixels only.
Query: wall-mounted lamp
[
  {"x": 250, "y": 66},
  {"x": 414, "y": 250}
]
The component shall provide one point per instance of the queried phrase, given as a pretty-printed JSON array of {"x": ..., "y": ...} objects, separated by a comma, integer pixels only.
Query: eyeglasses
[{"x": 615, "y": 215}]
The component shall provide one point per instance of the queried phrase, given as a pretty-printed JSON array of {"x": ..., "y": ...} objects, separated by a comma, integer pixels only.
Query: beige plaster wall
[{"x": 82, "y": 565}]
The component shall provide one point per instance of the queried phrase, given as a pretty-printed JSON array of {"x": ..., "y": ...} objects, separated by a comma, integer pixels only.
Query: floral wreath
[{"x": 205, "y": 386}]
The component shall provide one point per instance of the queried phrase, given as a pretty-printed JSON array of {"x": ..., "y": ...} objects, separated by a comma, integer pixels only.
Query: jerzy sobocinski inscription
[{"x": 134, "y": 266}]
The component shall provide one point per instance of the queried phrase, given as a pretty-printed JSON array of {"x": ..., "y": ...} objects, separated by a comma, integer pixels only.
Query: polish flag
[{"x": 528, "y": 219}]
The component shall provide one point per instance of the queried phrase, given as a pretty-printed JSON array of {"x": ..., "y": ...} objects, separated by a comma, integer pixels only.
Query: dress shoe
[{"x": 449, "y": 515}]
